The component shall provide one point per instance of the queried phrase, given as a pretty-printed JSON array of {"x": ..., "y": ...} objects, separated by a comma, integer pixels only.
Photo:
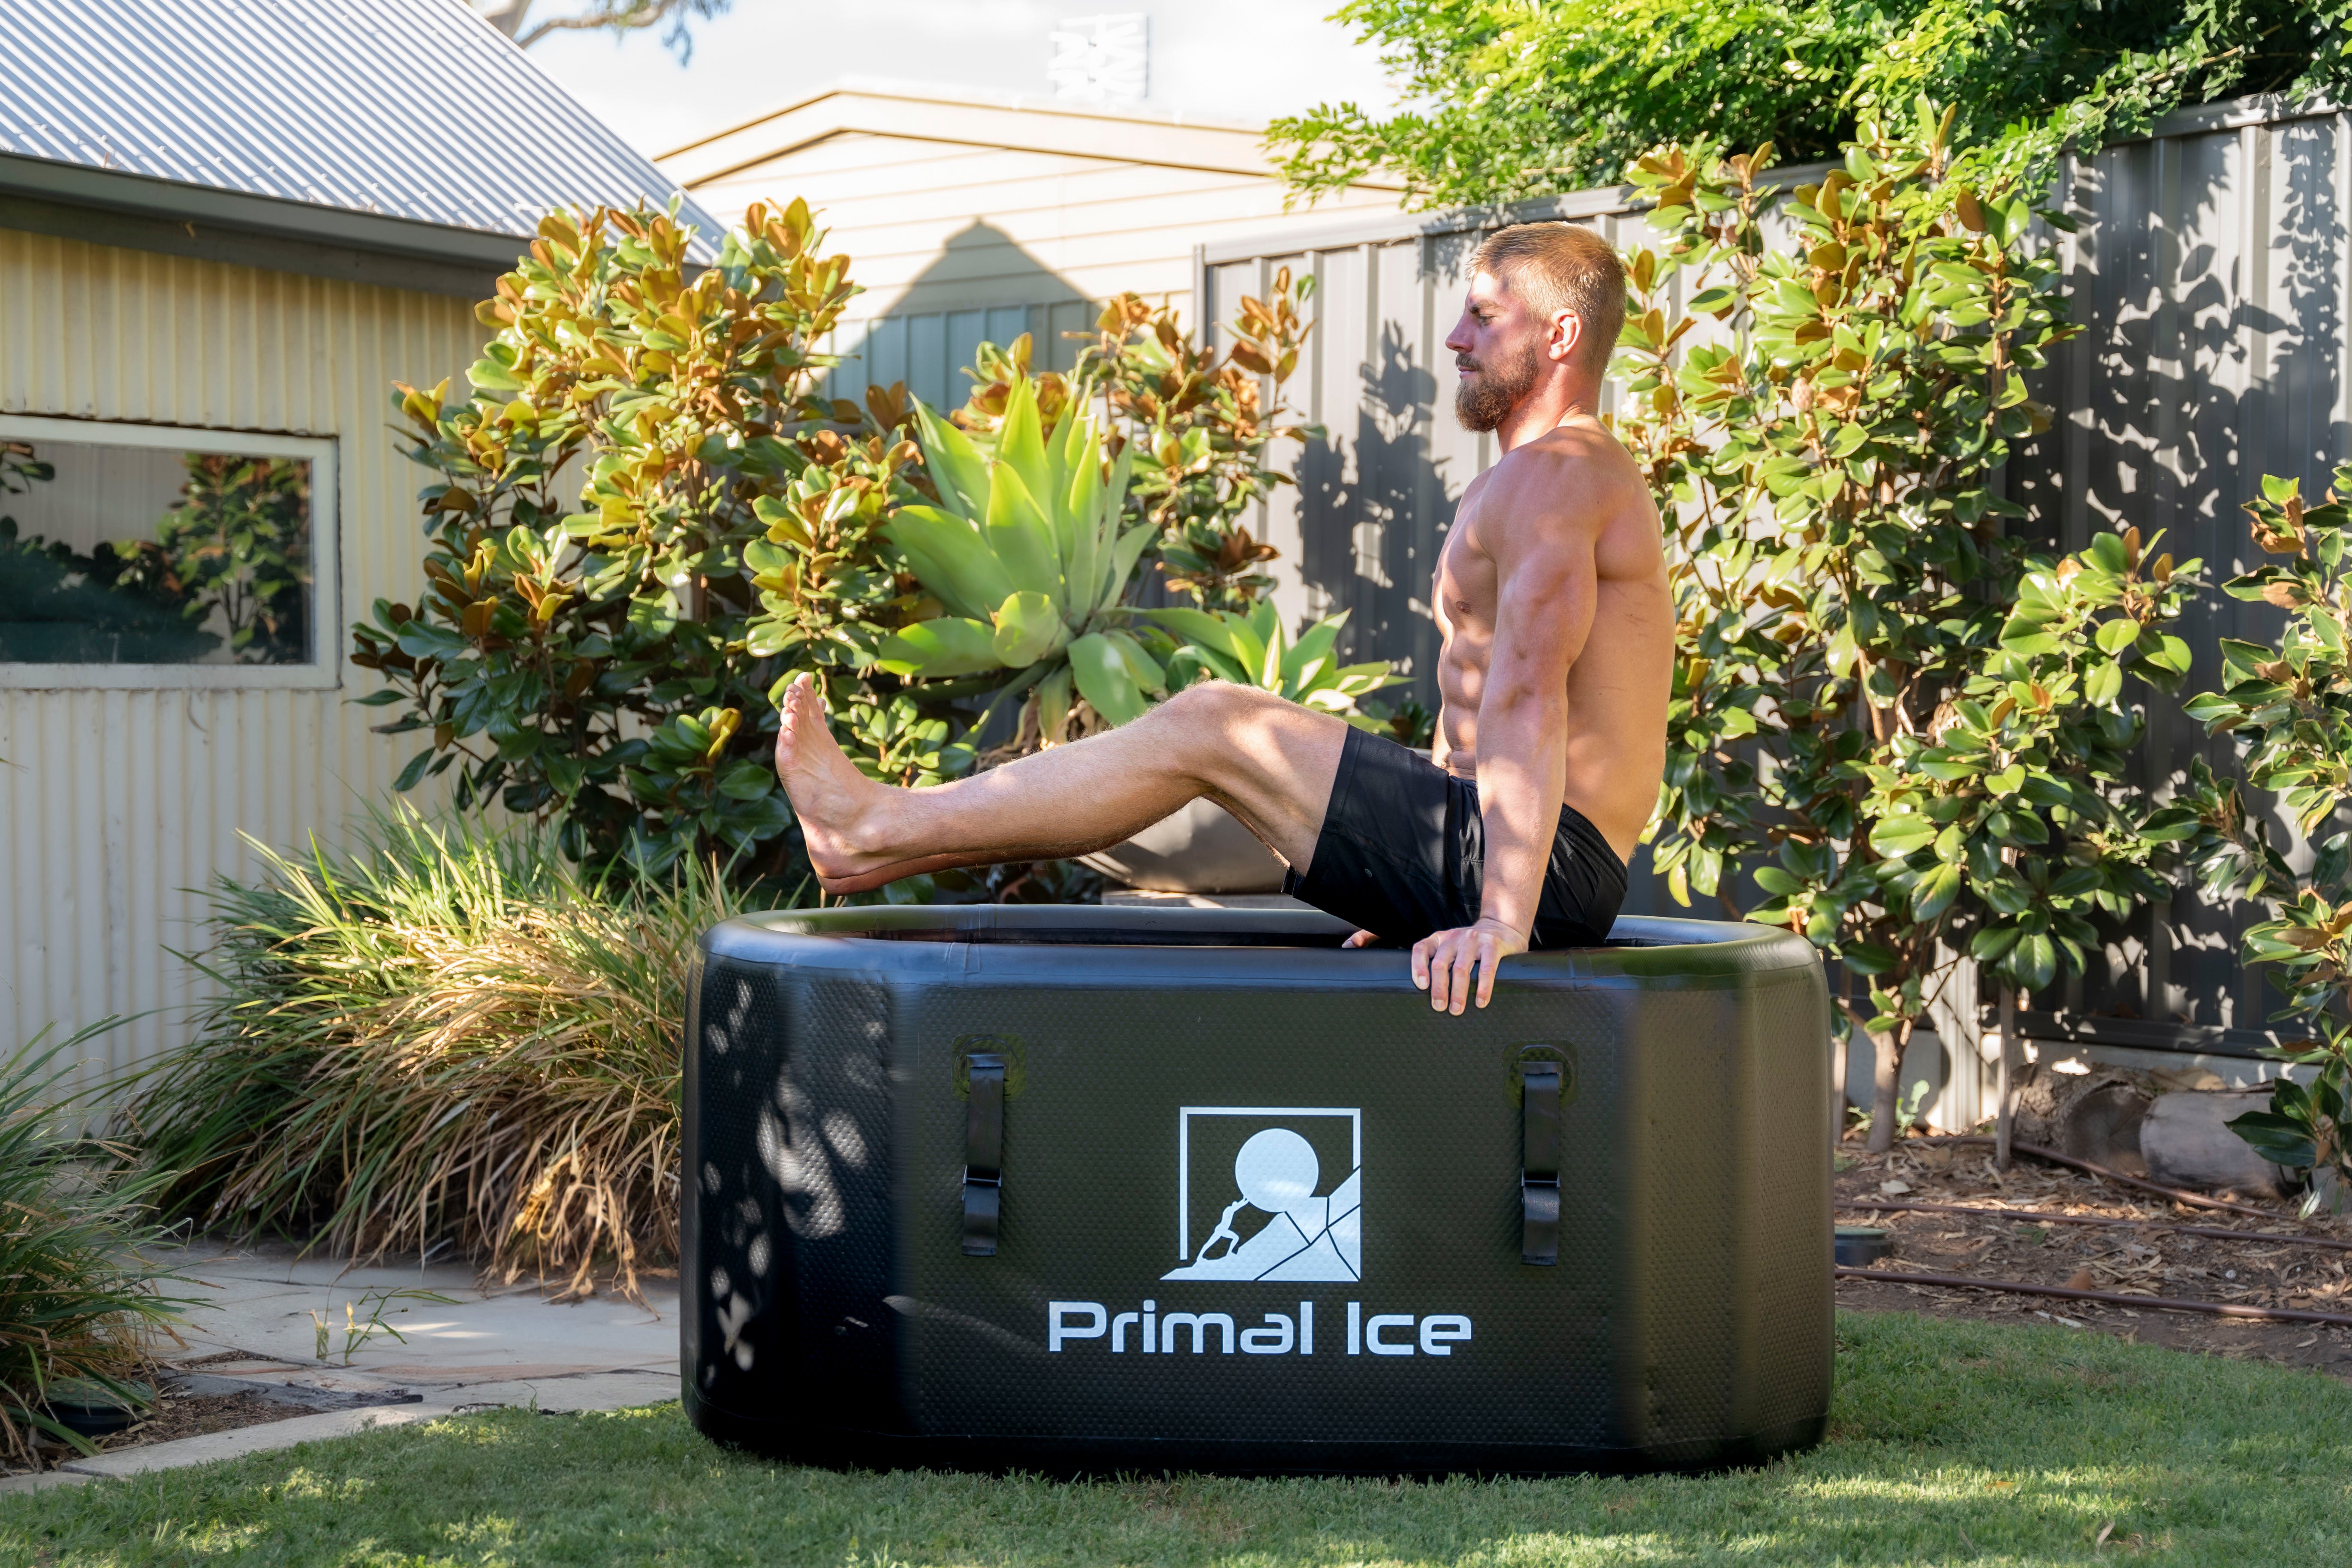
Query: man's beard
[{"x": 1487, "y": 399}]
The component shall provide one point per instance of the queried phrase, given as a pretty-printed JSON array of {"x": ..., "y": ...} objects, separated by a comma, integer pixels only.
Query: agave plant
[
  {"x": 1252, "y": 649},
  {"x": 1026, "y": 554}
]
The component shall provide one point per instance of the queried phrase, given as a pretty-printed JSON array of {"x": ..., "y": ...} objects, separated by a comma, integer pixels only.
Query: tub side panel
[
  {"x": 1679, "y": 1359},
  {"x": 840, "y": 1206},
  {"x": 1784, "y": 1195},
  {"x": 736, "y": 1299},
  {"x": 1109, "y": 1187}
]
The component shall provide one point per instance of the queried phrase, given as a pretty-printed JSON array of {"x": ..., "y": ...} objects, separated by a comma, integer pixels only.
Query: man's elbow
[{"x": 1539, "y": 694}]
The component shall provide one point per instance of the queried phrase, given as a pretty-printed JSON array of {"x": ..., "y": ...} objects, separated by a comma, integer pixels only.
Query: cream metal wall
[
  {"x": 117, "y": 807},
  {"x": 970, "y": 218}
]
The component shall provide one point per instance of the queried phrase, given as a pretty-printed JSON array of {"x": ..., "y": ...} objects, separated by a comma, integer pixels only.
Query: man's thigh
[{"x": 1271, "y": 762}]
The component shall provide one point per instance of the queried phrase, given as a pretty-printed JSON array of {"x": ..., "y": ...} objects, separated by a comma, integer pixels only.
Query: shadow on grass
[{"x": 1951, "y": 1442}]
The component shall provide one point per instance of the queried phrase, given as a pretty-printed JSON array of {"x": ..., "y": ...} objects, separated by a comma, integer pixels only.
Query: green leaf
[
  {"x": 1020, "y": 445},
  {"x": 1902, "y": 834},
  {"x": 2033, "y": 963},
  {"x": 951, "y": 644},
  {"x": 1102, "y": 676},
  {"x": 951, "y": 558},
  {"x": 1868, "y": 958},
  {"x": 414, "y": 771},
  {"x": 2118, "y": 635},
  {"x": 1199, "y": 628},
  {"x": 1020, "y": 536},
  {"x": 1028, "y": 628},
  {"x": 2281, "y": 1140},
  {"x": 1123, "y": 557},
  {"x": 955, "y": 465},
  {"x": 746, "y": 781},
  {"x": 1939, "y": 886},
  {"x": 1141, "y": 667}
]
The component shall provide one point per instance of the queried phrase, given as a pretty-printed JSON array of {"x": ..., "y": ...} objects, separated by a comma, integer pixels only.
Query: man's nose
[{"x": 1459, "y": 340}]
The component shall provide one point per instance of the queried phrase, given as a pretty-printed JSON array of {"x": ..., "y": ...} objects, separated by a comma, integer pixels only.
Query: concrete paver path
[{"x": 252, "y": 1327}]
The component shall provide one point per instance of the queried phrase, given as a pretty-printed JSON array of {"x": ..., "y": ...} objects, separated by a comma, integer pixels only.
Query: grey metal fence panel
[
  {"x": 2211, "y": 273},
  {"x": 931, "y": 350}
]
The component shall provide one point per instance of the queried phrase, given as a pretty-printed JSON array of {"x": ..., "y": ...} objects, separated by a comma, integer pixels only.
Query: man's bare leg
[{"x": 1268, "y": 761}]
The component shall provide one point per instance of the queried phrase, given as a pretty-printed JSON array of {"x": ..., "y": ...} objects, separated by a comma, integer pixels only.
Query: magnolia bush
[
  {"x": 1911, "y": 726},
  {"x": 640, "y": 521},
  {"x": 2289, "y": 708}
]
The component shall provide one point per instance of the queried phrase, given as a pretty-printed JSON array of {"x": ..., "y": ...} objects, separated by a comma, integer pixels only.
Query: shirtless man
[{"x": 1515, "y": 831}]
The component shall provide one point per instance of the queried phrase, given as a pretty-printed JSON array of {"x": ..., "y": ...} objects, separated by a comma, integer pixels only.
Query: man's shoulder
[{"x": 1576, "y": 475}]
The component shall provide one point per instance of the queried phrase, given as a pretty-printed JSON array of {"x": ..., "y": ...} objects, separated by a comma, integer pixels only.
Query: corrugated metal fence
[{"x": 2211, "y": 269}]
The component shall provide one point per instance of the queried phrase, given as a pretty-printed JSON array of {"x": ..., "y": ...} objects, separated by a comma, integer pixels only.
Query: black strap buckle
[
  {"x": 1540, "y": 1163},
  {"x": 983, "y": 1155}
]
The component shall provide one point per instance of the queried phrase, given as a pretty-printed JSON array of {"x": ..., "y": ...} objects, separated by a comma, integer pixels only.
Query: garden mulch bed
[
  {"x": 176, "y": 1415},
  {"x": 2134, "y": 1262}
]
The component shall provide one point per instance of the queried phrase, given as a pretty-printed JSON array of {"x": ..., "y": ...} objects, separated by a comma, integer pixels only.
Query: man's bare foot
[{"x": 840, "y": 809}]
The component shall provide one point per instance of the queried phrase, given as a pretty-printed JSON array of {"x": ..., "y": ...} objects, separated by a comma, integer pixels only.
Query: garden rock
[{"x": 2187, "y": 1143}]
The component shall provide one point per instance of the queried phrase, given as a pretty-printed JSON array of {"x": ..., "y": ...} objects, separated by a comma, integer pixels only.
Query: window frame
[{"x": 322, "y": 671}]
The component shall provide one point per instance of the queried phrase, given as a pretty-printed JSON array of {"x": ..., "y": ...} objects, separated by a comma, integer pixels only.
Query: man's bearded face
[{"x": 1495, "y": 386}]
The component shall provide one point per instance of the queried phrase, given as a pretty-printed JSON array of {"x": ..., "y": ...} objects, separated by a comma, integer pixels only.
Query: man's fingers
[
  {"x": 1466, "y": 958},
  {"x": 1362, "y": 939},
  {"x": 1421, "y": 951},
  {"x": 1490, "y": 958}
]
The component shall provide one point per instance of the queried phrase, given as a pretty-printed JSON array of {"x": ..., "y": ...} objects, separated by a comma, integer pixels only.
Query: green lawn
[{"x": 1952, "y": 1443}]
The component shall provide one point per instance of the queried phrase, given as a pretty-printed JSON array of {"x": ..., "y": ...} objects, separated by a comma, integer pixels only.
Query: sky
[{"x": 1227, "y": 59}]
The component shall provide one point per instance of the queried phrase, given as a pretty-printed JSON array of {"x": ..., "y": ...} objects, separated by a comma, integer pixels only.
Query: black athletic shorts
[{"x": 1403, "y": 853}]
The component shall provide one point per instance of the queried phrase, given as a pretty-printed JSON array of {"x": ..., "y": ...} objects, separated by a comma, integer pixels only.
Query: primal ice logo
[{"x": 1295, "y": 1232}]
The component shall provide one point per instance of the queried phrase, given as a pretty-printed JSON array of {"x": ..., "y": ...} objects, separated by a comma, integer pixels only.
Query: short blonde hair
[{"x": 1559, "y": 267}]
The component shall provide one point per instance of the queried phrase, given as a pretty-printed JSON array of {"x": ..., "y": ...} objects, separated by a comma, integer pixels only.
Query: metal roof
[{"x": 402, "y": 126}]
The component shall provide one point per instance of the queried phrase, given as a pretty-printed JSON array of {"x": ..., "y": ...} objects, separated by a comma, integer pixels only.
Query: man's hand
[{"x": 1441, "y": 962}]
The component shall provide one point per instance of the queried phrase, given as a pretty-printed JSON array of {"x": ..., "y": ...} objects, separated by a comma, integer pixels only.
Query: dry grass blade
[{"x": 448, "y": 1038}]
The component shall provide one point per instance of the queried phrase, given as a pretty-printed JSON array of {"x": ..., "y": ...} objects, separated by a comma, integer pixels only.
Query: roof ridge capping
[
  {"x": 968, "y": 117},
  {"x": 973, "y": 96}
]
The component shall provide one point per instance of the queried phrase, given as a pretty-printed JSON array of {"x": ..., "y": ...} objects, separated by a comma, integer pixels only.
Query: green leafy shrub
[
  {"x": 1504, "y": 99},
  {"x": 79, "y": 1300},
  {"x": 2289, "y": 707},
  {"x": 450, "y": 1037},
  {"x": 638, "y": 475},
  {"x": 1912, "y": 728}
]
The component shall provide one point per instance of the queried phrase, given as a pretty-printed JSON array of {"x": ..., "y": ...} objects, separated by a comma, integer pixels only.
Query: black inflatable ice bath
[{"x": 1087, "y": 1189}]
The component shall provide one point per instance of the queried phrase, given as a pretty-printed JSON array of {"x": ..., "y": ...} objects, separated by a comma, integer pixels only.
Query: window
[{"x": 142, "y": 555}]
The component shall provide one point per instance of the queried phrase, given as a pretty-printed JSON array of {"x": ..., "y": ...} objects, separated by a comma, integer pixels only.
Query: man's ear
[{"x": 1567, "y": 331}]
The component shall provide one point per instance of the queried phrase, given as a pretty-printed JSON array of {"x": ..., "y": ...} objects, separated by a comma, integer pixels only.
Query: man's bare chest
[{"x": 1466, "y": 581}]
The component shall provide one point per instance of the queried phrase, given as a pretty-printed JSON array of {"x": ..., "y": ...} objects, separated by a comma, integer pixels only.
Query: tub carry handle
[
  {"x": 983, "y": 1154},
  {"x": 1540, "y": 1163}
]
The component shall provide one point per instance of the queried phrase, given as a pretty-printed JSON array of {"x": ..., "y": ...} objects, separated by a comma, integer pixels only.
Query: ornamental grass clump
[
  {"x": 79, "y": 1303},
  {"x": 450, "y": 1039}
]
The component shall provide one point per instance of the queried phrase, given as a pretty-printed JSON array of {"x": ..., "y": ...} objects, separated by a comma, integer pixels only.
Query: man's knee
[{"x": 1218, "y": 705}]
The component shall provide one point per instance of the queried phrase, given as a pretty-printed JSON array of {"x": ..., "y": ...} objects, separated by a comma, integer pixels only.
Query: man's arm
[{"x": 1541, "y": 543}]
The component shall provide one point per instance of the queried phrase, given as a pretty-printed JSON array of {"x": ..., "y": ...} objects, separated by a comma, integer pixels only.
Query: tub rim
[{"x": 1014, "y": 936}]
